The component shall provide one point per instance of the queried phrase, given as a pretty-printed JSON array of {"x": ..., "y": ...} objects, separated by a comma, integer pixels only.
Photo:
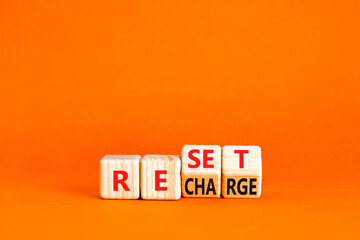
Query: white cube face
[
  {"x": 201, "y": 159},
  {"x": 119, "y": 177},
  {"x": 160, "y": 177},
  {"x": 241, "y": 160}
]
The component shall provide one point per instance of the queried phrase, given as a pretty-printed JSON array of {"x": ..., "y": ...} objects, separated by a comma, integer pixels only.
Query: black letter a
[{"x": 211, "y": 187}]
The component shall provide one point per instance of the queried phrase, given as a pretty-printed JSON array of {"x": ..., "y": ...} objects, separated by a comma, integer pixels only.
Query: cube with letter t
[
  {"x": 120, "y": 176},
  {"x": 241, "y": 172},
  {"x": 160, "y": 177},
  {"x": 201, "y": 171}
]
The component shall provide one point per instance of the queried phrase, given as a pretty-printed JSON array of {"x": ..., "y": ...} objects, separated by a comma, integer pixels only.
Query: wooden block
[
  {"x": 120, "y": 176},
  {"x": 241, "y": 172},
  {"x": 201, "y": 171},
  {"x": 160, "y": 177}
]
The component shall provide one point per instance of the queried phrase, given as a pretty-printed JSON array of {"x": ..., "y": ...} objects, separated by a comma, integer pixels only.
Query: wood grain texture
[
  {"x": 209, "y": 170},
  {"x": 245, "y": 180},
  {"x": 241, "y": 187},
  {"x": 149, "y": 164},
  {"x": 191, "y": 185},
  {"x": 128, "y": 163}
]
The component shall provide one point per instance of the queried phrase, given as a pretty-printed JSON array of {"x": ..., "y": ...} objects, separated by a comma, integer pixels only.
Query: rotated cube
[
  {"x": 201, "y": 171},
  {"x": 241, "y": 172}
]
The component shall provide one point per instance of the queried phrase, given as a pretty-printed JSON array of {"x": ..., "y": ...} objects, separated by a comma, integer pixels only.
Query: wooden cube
[
  {"x": 201, "y": 171},
  {"x": 241, "y": 172},
  {"x": 160, "y": 177},
  {"x": 120, "y": 176}
]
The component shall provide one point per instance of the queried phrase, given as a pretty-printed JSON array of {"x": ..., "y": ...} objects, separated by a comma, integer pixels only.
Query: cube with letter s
[{"x": 201, "y": 171}]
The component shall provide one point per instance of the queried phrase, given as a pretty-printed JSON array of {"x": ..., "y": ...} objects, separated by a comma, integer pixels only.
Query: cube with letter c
[
  {"x": 241, "y": 172},
  {"x": 160, "y": 177},
  {"x": 201, "y": 171},
  {"x": 120, "y": 177}
]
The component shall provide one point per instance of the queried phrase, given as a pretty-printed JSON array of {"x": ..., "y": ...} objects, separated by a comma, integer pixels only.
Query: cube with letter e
[
  {"x": 160, "y": 177},
  {"x": 201, "y": 171},
  {"x": 119, "y": 177},
  {"x": 241, "y": 172}
]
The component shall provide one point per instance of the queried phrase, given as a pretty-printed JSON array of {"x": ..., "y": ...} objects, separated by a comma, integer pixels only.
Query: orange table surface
[{"x": 82, "y": 79}]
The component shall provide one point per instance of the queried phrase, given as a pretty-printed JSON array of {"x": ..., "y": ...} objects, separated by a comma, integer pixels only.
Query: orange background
[{"x": 82, "y": 79}]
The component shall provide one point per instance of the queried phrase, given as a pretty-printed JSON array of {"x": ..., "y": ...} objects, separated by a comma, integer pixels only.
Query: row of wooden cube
[{"x": 202, "y": 171}]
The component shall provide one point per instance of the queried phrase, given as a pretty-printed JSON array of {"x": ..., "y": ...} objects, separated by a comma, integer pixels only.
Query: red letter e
[
  {"x": 158, "y": 180},
  {"x": 207, "y": 158}
]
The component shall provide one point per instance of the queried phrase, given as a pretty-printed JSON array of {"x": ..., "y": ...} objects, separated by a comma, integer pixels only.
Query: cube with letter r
[
  {"x": 120, "y": 176},
  {"x": 241, "y": 172}
]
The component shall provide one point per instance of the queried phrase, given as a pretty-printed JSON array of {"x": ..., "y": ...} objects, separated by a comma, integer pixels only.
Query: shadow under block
[
  {"x": 120, "y": 176},
  {"x": 160, "y": 177},
  {"x": 201, "y": 171},
  {"x": 241, "y": 172}
]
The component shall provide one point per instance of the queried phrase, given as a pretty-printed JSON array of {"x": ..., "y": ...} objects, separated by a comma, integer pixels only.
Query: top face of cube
[
  {"x": 241, "y": 160},
  {"x": 153, "y": 157},
  {"x": 204, "y": 159},
  {"x": 121, "y": 157}
]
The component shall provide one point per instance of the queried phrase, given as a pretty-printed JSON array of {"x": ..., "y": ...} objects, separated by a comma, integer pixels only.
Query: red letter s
[{"x": 195, "y": 159}]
